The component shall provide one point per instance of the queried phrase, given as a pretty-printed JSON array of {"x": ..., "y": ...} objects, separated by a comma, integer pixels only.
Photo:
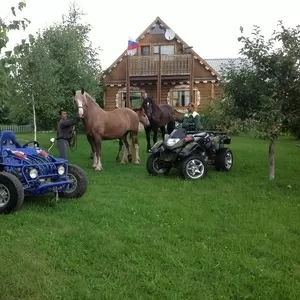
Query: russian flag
[{"x": 132, "y": 46}]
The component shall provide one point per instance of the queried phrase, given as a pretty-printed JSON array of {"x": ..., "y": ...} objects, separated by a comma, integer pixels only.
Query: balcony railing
[{"x": 149, "y": 65}]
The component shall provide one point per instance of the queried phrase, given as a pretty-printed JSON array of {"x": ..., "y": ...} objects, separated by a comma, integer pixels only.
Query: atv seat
[{"x": 200, "y": 134}]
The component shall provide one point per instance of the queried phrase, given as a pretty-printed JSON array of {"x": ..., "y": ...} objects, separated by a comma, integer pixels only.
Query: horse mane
[{"x": 90, "y": 98}]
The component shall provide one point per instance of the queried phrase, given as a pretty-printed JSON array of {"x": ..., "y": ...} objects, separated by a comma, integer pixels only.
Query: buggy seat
[{"x": 8, "y": 140}]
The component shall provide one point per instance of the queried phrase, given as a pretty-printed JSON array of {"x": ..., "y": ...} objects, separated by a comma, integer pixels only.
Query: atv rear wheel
[
  {"x": 224, "y": 160},
  {"x": 154, "y": 167},
  {"x": 193, "y": 167},
  {"x": 11, "y": 193},
  {"x": 79, "y": 183}
]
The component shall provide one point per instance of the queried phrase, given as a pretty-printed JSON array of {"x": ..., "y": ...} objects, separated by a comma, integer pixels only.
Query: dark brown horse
[
  {"x": 102, "y": 125},
  {"x": 160, "y": 116}
]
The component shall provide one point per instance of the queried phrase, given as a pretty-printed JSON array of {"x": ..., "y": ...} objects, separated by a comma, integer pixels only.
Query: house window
[
  {"x": 181, "y": 98},
  {"x": 135, "y": 99},
  {"x": 164, "y": 49},
  {"x": 145, "y": 50}
]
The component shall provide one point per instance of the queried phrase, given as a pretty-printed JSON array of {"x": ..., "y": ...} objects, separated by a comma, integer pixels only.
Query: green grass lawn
[{"x": 230, "y": 236}]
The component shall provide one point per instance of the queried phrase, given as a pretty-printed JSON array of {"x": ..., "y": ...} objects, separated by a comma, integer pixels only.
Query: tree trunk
[
  {"x": 272, "y": 158},
  {"x": 34, "y": 118}
]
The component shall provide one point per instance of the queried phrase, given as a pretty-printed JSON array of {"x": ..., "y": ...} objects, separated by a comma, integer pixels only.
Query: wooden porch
[{"x": 175, "y": 65}]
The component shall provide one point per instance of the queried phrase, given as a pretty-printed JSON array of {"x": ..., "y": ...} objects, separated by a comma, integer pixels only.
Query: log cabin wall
[{"x": 178, "y": 68}]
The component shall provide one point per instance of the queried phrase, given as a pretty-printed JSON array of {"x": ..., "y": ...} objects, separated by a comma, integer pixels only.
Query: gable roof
[{"x": 179, "y": 40}]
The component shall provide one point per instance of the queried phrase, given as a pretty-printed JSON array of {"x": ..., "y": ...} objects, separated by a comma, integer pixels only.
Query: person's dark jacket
[{"x": 65, "y": 127}]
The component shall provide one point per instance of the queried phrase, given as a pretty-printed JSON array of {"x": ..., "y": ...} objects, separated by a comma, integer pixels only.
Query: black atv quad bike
[{"x": 191, "y": 153}]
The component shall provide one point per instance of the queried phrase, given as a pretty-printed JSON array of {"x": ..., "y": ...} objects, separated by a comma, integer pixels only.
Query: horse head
[
  {"x": 142, "y": 116},
  {"x": 80, "y": 101},
  {"x": 148, "y": 106}
]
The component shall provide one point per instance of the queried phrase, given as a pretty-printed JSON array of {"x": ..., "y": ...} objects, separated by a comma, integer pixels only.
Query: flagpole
[{"x": 127, "y": 83}]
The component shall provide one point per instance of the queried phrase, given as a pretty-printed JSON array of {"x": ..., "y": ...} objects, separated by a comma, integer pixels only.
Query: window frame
[{"x": 156, "y": 50}]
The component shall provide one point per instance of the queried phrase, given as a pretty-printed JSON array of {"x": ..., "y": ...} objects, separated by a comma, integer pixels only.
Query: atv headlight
[
  {"x": 33, "y": 173},
  {"x": 171, "y": 142},
  {"x": 61, "y": 170}
]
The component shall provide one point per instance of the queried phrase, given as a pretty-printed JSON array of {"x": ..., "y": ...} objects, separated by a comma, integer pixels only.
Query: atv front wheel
[
  {"x": 79, "y": 183},
  {"x": 224, "y": 160},
  {"x": 11, "y": 193},
  {"x": 193, "y": 167},
  {"x": 154, "y": 165}
]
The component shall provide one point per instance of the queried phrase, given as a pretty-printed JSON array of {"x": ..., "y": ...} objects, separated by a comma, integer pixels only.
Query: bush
[{"x": 216, "y": 116}]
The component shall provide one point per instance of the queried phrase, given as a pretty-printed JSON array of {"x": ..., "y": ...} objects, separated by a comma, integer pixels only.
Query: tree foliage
[
  {"x": 6, "y": 84},
  {"x": 58, "y": 59},
  {"x": 264, "y": 90}
]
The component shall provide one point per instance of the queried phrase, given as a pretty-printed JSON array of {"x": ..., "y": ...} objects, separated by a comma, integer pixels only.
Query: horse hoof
[
  {"x": 137, "y": 162},
  {"x": 98, "y": 169}
]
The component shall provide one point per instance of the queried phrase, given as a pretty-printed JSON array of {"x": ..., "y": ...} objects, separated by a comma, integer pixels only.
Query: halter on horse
[
  {"x": 102, "y": 125},
  {"x": 159, "y": 116}
]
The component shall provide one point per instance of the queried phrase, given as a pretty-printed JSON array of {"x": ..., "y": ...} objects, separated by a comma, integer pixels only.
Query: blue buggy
[{"x": 30, "y": 170}]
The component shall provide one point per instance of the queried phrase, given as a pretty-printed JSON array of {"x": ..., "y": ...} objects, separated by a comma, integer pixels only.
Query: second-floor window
[
  {"x": 164, "y": 49},
  {"x": 145, "y": 50}
]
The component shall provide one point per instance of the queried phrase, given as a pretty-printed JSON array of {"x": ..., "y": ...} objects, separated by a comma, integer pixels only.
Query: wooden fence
[{"x": 17, "y": 128}]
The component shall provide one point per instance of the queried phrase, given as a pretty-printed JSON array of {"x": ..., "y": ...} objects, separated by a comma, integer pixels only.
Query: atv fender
[
  {"x": 156, "y": 147},
  {"x": 190, "y": 148}
]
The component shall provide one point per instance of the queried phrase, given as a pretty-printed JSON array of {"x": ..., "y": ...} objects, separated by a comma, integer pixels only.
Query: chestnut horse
[
  {"x": 143, "y": 119},
  {"x": 159, "y": 115},
  {"x": 102, "y": 125}
]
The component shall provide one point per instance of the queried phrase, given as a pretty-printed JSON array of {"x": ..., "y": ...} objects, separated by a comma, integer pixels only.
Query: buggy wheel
[
  {"x": 224, "y": 160},
  {"x": 193, "y": 167},
  {"x": 11, "y": 193},
  {"x": 154, "y": 167},
  {"x": 79, "y": 183}
]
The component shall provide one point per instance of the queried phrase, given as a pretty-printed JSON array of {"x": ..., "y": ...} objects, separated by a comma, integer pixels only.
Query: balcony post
[{"x": 159, "y": 78}]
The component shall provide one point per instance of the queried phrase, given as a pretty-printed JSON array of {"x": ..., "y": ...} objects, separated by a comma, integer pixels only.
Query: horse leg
[
  {"x": 170, "y": 126},
  {"x": 163, "y": 132},
  {"x": 135, "y": 144},
  {"x": 148, "y": 130},
  {"x": 129, "y": 155},
  {"x": 97, "y": 154},
  {"x": 91, "y": 140},
  {"x": 155, "y": 130},
  {"x": 126, "y": 148},
  {"x": 120, "y": 149}
]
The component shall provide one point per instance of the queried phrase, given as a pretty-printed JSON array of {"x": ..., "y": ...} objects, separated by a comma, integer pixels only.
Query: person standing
[{"x": 64, "y": 132}]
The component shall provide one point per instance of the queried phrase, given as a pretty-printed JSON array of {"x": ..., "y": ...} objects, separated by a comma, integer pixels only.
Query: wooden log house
[{"x": 165, "y": 68}]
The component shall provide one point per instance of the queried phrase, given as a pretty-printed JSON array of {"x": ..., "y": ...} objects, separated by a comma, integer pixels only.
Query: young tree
[
  {"x": 266, "y": 94},
  {"x": 37, "y": 81}
]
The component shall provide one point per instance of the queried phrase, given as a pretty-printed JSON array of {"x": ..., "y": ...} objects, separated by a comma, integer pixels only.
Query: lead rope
[{"x": 73, "y": 139}]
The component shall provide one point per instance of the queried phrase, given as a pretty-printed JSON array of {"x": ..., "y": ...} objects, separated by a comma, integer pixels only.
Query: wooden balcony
[{"x": 149, "y": 65}]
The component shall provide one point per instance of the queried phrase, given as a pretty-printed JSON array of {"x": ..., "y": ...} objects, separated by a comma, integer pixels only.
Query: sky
[{"x": 211, "y": 27}]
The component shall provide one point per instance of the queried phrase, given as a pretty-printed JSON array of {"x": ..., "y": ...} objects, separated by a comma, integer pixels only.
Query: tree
[
  {"x": 37, "y": 82},
  {"x": 266, "y": 95},
  {"x": 69, "y": 44},
  {"x": 54, "y": 62},
  {"x": 6, "y": 88}
]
